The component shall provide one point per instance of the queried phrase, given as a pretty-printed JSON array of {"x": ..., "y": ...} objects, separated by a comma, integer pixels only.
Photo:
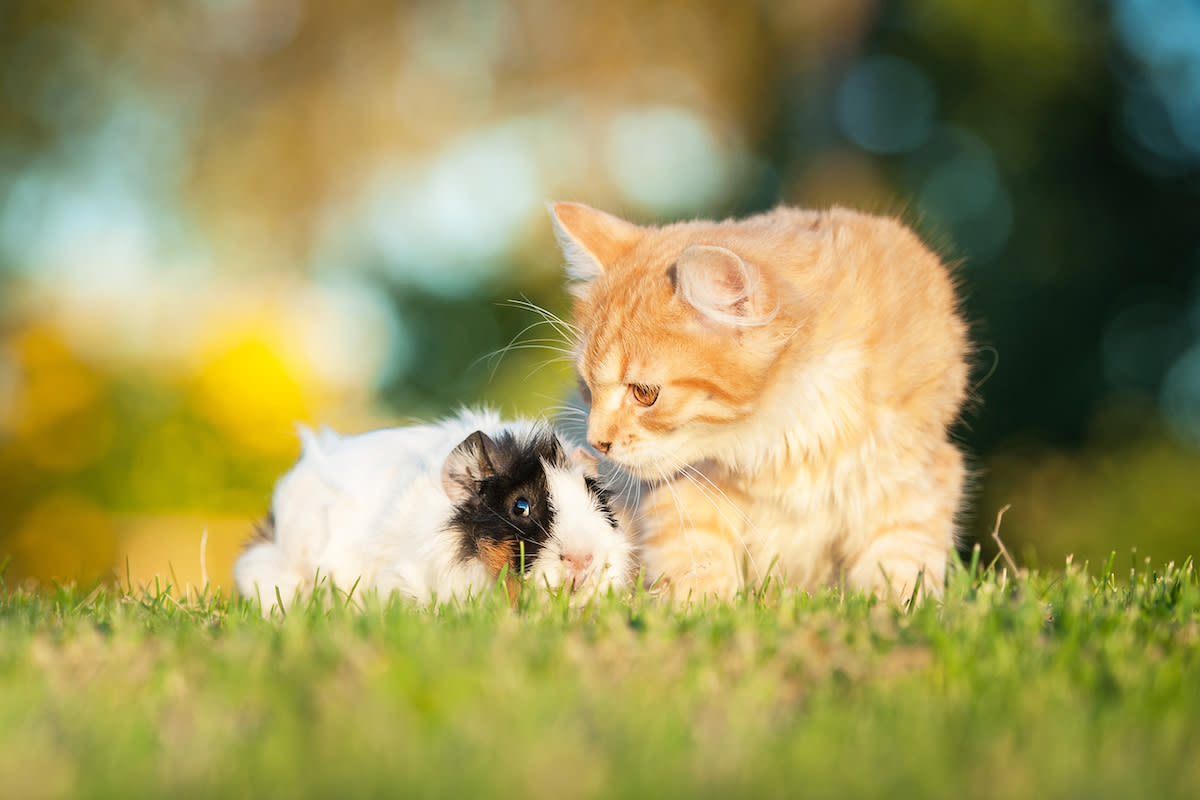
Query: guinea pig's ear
[
  {"x": 467, "y": 465},
  {"x": 581, "y": 457}
]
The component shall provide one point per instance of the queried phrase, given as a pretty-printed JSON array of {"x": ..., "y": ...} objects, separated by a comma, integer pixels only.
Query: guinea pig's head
[{"x": 521, "y": 501}]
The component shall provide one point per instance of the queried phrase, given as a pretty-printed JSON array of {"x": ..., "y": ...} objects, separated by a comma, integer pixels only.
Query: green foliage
[{"x": 1080, "y": 684}]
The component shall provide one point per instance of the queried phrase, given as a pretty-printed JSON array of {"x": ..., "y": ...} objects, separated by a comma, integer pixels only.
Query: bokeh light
[
  {"x": 667, "y": 161},
  {"x": 886, "y": 105},
  {"x": 221, "y": 219}
]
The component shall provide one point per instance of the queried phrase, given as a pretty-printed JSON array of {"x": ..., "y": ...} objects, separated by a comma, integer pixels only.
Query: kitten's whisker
[
  {"x": 683, "y": 513},
  {"x": 639, "y": 514},
  {"x": 695, "y": 474},
  {"x": 630, "y": 485},
  {"x": 530, "y": 344},
  {"x": 758, "y": 576},
  {"x": 544, "y": 339},
  {"x": 554, "y": 345},
  {"x": 538, "y": 368},
  {"x": 699, "y": 480},
  {"x": 547, "y": 314},
  {"x": 564, "y": 328},
  {"x": 516, "y": 337},
  {"x": 565, "y": 409}
]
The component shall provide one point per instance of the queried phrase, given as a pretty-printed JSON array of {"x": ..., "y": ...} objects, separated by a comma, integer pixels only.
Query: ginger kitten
[{"x": 786, "y": 382}]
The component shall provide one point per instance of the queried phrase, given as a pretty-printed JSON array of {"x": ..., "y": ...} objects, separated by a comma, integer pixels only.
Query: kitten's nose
[{"x": 602, "y": 447}]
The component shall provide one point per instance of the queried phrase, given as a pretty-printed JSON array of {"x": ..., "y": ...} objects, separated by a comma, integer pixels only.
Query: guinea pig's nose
[
  {"x": 602, "y": 447},
  {"x": 577, "y": 563}
]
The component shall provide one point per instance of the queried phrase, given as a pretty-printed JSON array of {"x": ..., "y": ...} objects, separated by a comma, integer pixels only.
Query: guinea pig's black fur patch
[
  {"x": 264, "y": 529},
  {"x": 602, "y": 497},
  {"x": 492, "y": 514}
]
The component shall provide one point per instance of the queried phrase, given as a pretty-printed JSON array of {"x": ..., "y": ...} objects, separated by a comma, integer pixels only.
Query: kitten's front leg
[
  {"x": 897, "y": 564},
  {"x": 914, "y": 536},
  {"x": 691, "y": 538}
]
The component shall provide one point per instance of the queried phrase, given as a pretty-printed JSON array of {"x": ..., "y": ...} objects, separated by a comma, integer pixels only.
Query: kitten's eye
[
  {"x": 585, "y": 392},
  {"x": 520, "y": 507},
  {"x": 646, "y": 395}
]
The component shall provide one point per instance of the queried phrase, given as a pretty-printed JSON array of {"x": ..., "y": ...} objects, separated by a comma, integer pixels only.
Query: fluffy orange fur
[{"x": 786, "y": 383}]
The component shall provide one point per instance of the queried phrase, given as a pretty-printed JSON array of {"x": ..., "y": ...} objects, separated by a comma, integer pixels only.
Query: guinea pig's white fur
[{"x": 373, "y": 509}]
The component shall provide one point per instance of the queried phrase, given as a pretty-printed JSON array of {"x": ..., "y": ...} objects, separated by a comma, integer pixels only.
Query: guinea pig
[{"x": 437, "y": 511}]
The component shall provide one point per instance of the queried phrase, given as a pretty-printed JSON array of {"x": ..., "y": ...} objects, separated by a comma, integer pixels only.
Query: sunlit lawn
[{"x": 1058, "y": 684}]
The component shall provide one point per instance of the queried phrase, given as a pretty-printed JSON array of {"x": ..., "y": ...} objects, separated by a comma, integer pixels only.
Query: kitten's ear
[
  {"x": 721, "y": 286},
  {"x": 590, "y": 239},
  {"x": 474, "y": 459}
]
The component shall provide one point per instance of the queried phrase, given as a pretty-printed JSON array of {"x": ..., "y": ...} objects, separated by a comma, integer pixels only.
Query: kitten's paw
[
  {"x": 703, "y": 581},
  {"x": 904, "y": 582}
]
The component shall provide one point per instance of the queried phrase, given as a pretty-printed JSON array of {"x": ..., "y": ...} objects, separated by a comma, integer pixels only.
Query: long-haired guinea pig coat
[{"x": 436, "y": 511}]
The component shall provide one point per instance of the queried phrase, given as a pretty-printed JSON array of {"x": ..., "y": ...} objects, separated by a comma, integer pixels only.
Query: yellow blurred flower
[
  {"x": 247, "y": 390},
  {"x": 55, "y": 410},
  {"x": 63, "y": 537}
]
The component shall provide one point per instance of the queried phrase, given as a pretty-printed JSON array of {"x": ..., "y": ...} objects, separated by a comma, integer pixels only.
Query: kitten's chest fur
[
  {"x": 825, "y": 465},
  {"x": 802, "y": 514}
]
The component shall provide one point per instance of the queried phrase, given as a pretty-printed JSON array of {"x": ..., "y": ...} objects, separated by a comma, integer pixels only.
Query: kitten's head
[{"x": 679, "y": 330}]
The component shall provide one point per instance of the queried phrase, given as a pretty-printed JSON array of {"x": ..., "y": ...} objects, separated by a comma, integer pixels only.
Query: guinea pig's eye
[{"x": 520, "y": 507}]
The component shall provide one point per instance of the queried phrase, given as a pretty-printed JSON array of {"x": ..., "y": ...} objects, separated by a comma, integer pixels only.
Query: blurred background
[{"x": 219, "y": 218}]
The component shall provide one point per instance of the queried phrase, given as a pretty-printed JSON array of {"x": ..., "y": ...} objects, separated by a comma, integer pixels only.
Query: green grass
[{"x": 1058, "y": 685}]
